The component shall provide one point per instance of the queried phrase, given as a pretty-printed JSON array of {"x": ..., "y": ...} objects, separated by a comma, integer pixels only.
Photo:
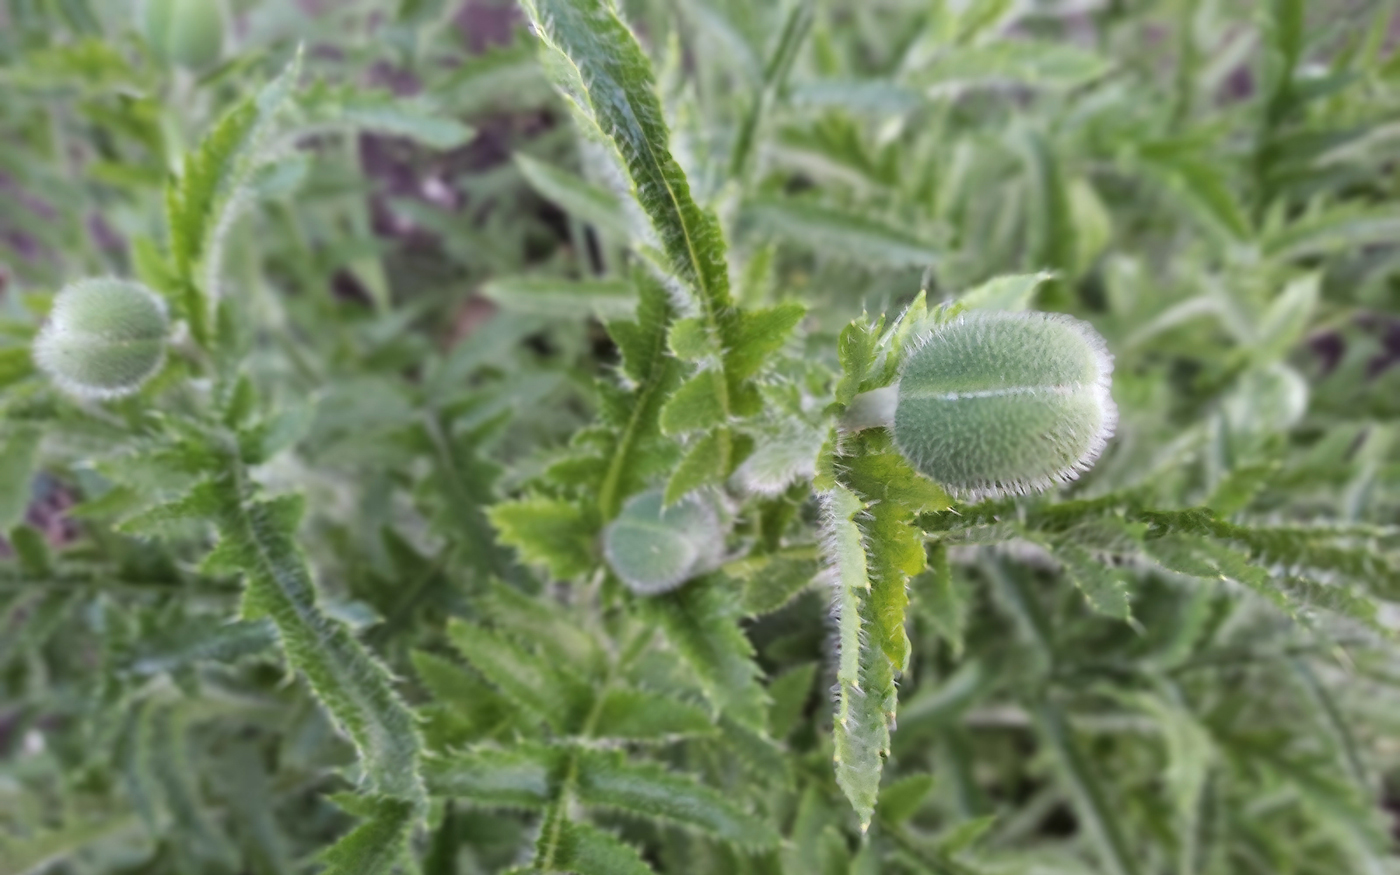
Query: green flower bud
[
  {"x": 185, "y": 32},
  {"x": 654, "y": 549},
  {"x": 104, "y": 338},
  {"x": 996, "y": 402}
]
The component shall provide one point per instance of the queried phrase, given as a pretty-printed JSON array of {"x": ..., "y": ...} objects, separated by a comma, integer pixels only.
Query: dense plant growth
[{"x": 701, "y": 436}]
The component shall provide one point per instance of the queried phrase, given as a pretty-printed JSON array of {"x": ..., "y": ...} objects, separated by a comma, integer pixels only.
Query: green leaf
[
  {"x": 864, "y": 676},
  {"x": 895, "y": 554},
  {"x": 586, "y": 850},
  {"x": 1050, "y": 230},
  {"x": 19, "y": 449},
  {"x": 1199, "y": 184},
  {"x": 642, "y": 715},
  {"x": 16, "y": 364},
  {"x": 619, "y": 96},
  {"x": 1032, "y": 63},
  {"x": 1287, "y": 319},
  {"x": 833, "y": 233},
  {"x": 258, "y": 538},
  {"x": 856, "y": 349},
  {"x": 378, "y": 844},
  {"x": 548, "y": 531},
  {"x": 525, "y": 678},
  {"x": 203, "y": 203},
  {"x": 702, "y": 623},
  {"x": 575, "y": 196},
  {"x": 396, "y": 117},
  {"x": 790, "y": 692},
  {"x": 1103, "y": 588},
  {"x": 35, "y": 853},
  {"x": 1099, "y": 818},
  {"x": 1014, "y": 292},
  {"x": 1339, "y": 229},
  {"x": 650, "y": 792},
  {"x": 562, "y": 299},
  {"x": 706, "y": 461},
  {"x": 698, "y": 404},
  {"x": 771, "y": 582},
  {"x": 758, "y": 334},
  {"x": 521, "y": 776},
  {"x": 942, "y": 601},
  {"x": 879, "y": 473},
  {"x": 901, "y": 799}
]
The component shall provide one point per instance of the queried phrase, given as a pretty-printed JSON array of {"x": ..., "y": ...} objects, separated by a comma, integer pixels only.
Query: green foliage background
[{"x": 328, "y": 595}]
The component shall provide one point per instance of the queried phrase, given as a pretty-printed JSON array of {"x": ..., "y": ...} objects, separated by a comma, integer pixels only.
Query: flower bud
[
  {"x": 104, "y": 338},
  {"x": 185, "y": 32},
  {"x": 654, "y": 549},
  {"x": 997, "y": 402}
]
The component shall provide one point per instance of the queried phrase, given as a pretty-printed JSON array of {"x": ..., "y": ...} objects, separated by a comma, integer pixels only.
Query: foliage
[{"x": 509, "y": 423}]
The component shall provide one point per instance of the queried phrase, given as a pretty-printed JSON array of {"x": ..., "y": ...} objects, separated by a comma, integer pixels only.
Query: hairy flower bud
[
  {"x": 185, "y": 32},
  {"x": 998, "y": 402},
  {"x": 654, "y": 549},
  {"x": 104, "y": 338}
]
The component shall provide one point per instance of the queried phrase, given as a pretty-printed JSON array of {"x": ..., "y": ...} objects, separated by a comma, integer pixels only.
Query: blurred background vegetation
[{"x": 1214, "y": 183}]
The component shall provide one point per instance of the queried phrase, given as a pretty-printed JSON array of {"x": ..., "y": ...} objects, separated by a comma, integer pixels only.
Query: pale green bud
[
  {"x": 104, "y": 338},
  {"x": 654, "y": 549},
  {"x": 185, "y": 32},
  {"x": 996, "y": 402}
]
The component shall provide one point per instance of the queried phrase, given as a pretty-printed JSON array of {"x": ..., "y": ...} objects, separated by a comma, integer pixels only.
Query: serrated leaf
[
  {"x": 586, "y": 850},
  {"x": 690, "y": 339},
  {"x": 895, "y": 554},
  {"x": 521, "y": 776},
  {"x": 650, "y": 792},
  {"x": 551, "y": 532},
  {"x": 879, "y": 473},
  {"x": 706, "y": 461},
  {"x": 258, "y": 539},
  {"x": 460, "y": 690},
  {"x": 200, "y": 503},
  {"x": 698, "y": 404},
  {"x": 378, "y": 844},
  {"x": 618, "y": 94},
  {"x": 524, "y": 677},
  {"x": 701, "y": 622},
  {"x": 864, "y": 676},
  {"x": 770, "y": 583},
  {"x": 758, "y": 334},
  {"x": 202, "y": 204},
  {"x": 642, "y": 715},
  {"x": 1104, "y": 589},
  {"x": 782, "y": 456},
  {"x": 856, "y": 350}
]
